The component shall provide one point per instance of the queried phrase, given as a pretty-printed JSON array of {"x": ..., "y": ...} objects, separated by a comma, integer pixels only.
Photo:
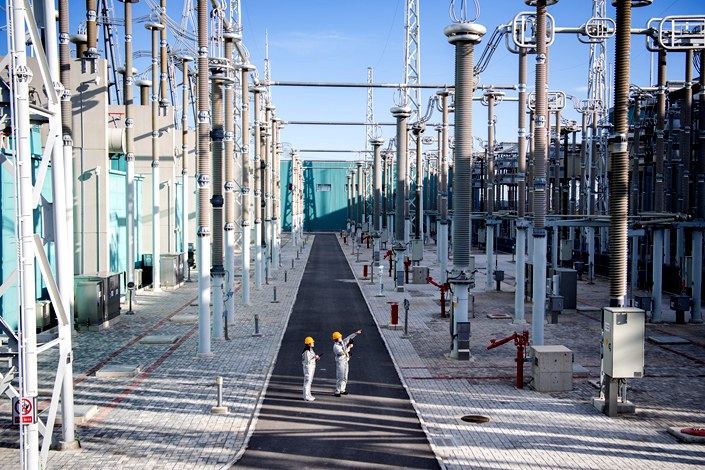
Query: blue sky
[{"x": 336, "y": 41}]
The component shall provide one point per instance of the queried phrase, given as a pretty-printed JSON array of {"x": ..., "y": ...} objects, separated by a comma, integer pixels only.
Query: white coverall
[
  {"x": 308, "y": 359},
  {"x": 341, "y": 350}
]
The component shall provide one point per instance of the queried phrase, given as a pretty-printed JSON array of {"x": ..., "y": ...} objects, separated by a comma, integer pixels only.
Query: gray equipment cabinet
[
  {"x": 623, "y": 342},
  {"x": 97, "y": 297},
  {"x": 171, "y": 269}
]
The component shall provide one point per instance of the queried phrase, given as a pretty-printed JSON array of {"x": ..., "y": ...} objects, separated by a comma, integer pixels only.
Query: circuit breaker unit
[{"x": 623, "y": 342}]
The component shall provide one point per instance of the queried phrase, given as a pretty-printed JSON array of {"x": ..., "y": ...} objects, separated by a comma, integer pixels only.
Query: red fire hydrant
[
  {"x": 394, "y": 310},
  {"x": 390, "y": 255},
  {"x": 445, "y": 287},
  {"x": 520, "y": 341}
]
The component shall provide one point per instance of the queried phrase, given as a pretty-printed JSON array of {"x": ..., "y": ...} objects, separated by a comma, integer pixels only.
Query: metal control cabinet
[
  {"x": 416, "y": 250},
  {"x": 623, "y": 342},
  {"x": 110, "y": 293},
  {"x": 90, "y": 305},
  {"x": 568, "y": 287},
  {"x": 419, "y": 274},
  {"x": 171, "y": 269}
]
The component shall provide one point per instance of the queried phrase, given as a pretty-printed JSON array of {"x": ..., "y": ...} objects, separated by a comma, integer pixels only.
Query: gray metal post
[
  {"x": 442, "y": 235},
  {"x": 156, "y": 225},
  {"x": 464, "y": 36},
  {"x": 128, "y": 98},
  {"x": 418, "y": 130},
  {"x": 245, "y": 70},
  {"x": 217, "y": 200},
  {"x": 229, "y": 186},
  {"x": 658, "y": 232},
  {"x": 539, "y": 196},
  {"x": 377, "y": 203},
  {"x": 257, "y": 185},
  {"x": 63, "y": 71},
  {"x": 360, "y": 218},
  {"x": 522, "y": 223},
  {"x": 401, "y": 113},
  {"x": 203, "y": 182},
  {"x": 185, "y": 196}
]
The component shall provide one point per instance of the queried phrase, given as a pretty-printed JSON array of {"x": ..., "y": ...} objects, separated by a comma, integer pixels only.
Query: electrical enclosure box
[
  {"x": 623, "y": 342},
  {"x": 680, "y": 302},
  {"x": 384, "y": 236},
  {"x": 416, "y": 250},
  {"x": 110, "y": 292},
  {"x": 566, "y": 250},
  {"x": 171, "y": 269},
  {"x": 643, "y": 302},
  {"x": 568, "y": 287},
  {"x": 90, "y": 303},
  {"x": 419, "y": 274},
  {"x": 43, "y": 313}
]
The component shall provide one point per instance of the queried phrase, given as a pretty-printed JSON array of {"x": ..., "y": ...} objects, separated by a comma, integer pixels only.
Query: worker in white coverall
[
  {"x": 308, "y": 359},
  {"x": 341, "y": 350}
]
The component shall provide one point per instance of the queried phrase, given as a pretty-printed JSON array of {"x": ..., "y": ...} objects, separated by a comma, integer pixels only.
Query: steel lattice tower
[
  {"x": 370, "y": 114},
  {"x": 412, "y": 59}
]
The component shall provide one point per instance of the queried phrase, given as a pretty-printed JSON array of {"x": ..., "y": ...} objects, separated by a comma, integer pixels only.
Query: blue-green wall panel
[
  {"x": 323, "y": 210},
  {"x": 117, "y": 222}
]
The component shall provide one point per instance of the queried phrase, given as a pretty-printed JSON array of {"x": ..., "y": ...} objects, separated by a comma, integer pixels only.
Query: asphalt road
[{"x": 374, "y": 426}]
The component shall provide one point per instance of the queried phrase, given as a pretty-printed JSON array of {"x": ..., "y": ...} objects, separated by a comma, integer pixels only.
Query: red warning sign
[{"x": 23, "y": 410}]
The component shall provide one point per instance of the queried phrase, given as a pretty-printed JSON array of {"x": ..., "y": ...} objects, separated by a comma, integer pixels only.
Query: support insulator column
[
  {"x": 245, "y": 191},
  {"x": 377, "y": 202},
  {"x": 185, "y": 195},
  {"x": 217, "y": 201},
  {"x": 401, "y": 113},
  {"x": 156, "y": 225},
  {"x": 257, "y": 184},
  {"x": 203, "y": 182},
  {"x": 539, "y": 175},
  {"x": 63, "y": 71},
  {"x": 522, "y": 223},
  {"x": 464, "y": 36},
  {"x": 443, "y": 223}
]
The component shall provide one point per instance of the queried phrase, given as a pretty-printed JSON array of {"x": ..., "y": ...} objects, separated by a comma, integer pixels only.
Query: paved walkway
[
  {"x": 161, "y": 417},
  {"x": 374, "y": 426},
  {"x": 528, "y": 429}
]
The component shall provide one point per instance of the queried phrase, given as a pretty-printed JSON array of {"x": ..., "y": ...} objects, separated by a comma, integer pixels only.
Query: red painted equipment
[
  {"x": 364, "y": 237},
  {"x": 445, "y": 287},
  {"x": 364, "y": 271},
  {"x": 407, "y": 265},
  {"x": 345, "y": 239},
  {"x": 694, "y": 431},
  {"x": 390, "y": 255},
  {"x": 520, "y": 341},
  {"x": 394, "y": 312}
]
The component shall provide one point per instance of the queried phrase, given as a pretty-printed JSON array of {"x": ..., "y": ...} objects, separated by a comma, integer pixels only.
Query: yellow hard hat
[
  {"x": 308, "y": 340},
  {"x": 337, "y": 335}
]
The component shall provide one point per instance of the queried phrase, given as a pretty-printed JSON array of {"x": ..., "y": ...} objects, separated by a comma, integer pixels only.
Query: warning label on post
[{"x": 24, "y": 410}]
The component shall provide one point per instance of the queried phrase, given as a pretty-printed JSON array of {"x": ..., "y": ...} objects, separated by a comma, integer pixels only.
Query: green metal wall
[{"x": 325, "y": 197}]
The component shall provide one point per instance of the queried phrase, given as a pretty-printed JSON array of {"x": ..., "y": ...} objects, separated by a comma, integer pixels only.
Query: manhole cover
[{"x": 476, "y": 419}]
